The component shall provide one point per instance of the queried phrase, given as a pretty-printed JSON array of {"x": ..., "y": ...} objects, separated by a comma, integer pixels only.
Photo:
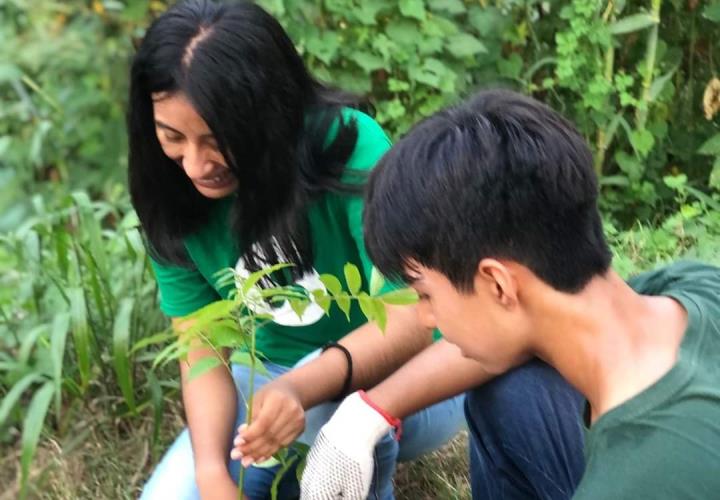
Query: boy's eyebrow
[{"x": 171, "y": 129}]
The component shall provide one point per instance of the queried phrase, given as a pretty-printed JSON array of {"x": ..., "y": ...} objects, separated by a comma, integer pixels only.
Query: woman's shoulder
[{"x": 372, "y": 142}]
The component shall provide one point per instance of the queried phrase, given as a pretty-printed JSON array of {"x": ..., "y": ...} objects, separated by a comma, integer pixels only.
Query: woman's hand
[{"x": 278, "y": 418}]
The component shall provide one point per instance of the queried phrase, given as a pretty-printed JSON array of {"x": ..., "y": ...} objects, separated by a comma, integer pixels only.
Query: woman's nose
[{"x": 195, "y": 162}]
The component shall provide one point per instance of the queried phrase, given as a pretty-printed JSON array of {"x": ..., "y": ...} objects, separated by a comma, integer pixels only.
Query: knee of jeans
[{"x": 512, "y": 401}]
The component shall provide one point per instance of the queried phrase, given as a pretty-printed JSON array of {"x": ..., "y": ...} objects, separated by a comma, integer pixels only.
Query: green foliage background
[{"x": 78, "y": 313}]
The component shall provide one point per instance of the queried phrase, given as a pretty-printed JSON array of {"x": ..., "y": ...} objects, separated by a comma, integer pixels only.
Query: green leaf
[
  {"x": 366, "y": 306},
  {"x": 464, "y": 45},
  {"x": 629, "y": 24},
  {"x": 453, "y": 7},
  {"x": 713, "y": 181},
  {"x": 58, "y": 339},
  {"x": 352, "y": 278},
  {"x": 322, "y": 299},
  {"x": 226, "y": 333},
  {"x": 324, "y": 46},
  {"x": 659, "y": 83},
  {"x": 299, "y": 306},
  {"x": 157, "y": 338},
  {"x": 400, "y": 297},
  {"x": 642, "y": 141},
  {"x": 488, "y": 21},
  {"x": 9, "y": 72},
  {"x": 81, "y": 333},
  {"x": 253, "y": 279},
  {"x": 413, "y": 8},
  {"x": 32, "y": 427},
  {"x": 367, "y": 61},
  {"x": 675, "y": 182},
  {"x": 203, "y": 365},
  {"x": 332, "y": 284},
  {"x": 121, "y": 351},
  {"x": 205, "y": 316},
  {"x": 244, "y": 358},
  {"x": 630, "y": 165},
  {"x": 711, "y": 147},
  {"x": 712, "y": 12},
  {"x": 343, "y": 303},
  {"x": 380, "y": 314},
  {"x": 511, "y": 67},
  {"x": 403, "y": 32},
  {"x": 13, "y": 395},
  {"x": 377, "y": 281}
]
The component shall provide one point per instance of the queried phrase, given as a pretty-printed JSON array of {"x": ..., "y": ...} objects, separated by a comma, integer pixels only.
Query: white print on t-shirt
[{"x": 283, "y": 314}]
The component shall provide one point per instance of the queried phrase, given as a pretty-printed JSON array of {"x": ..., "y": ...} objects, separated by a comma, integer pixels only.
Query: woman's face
[{"x": 185, "y": 138}]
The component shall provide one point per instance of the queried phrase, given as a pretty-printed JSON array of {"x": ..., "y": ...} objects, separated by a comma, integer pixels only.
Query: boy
[{"x": 489, "y": 210}]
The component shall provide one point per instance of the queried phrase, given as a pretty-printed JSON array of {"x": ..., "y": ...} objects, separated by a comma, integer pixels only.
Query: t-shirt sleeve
[
  {"x": 183, "y": 290},
  {"x": 372, "y": 143}
]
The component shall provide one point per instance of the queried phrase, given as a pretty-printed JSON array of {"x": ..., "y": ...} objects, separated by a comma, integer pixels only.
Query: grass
[{"x": 104, "y": 458}]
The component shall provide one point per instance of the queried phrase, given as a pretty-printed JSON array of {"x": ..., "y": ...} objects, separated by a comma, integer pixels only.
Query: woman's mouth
[{"x": 220, "y": 180}]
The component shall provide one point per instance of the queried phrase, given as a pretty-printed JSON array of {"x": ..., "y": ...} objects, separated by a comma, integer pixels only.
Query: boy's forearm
[{"x": 437, "y": 373}]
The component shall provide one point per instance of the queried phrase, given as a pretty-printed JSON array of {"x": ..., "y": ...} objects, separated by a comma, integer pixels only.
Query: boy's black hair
[
  {"x": 500, "y": 175},
  {"x": 270, "y": 118}
]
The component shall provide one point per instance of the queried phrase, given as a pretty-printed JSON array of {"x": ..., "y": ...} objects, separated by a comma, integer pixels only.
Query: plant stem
[
  {"x": 251, "y": 396},
  {"x": 641, "y": 111},
  {"x": 602, "y": 143}
]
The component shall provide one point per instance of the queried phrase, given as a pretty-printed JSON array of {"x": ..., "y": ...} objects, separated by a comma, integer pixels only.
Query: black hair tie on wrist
[{"x": 348, "y": 378}]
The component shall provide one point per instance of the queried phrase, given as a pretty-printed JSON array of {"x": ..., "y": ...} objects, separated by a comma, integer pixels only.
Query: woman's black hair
[{"x": 271, "y": 120}]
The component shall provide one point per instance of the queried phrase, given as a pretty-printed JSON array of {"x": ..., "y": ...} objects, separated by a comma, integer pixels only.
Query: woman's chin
[{"x": 216, "y": 193}]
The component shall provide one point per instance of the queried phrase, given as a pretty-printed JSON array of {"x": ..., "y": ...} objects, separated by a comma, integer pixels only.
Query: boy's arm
[{"x": 340, "y": 463}]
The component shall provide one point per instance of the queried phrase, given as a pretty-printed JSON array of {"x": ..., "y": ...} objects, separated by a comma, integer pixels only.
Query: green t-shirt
[
  {"x": 337, "y": 236},
  {"x": 664, "y": 443}
]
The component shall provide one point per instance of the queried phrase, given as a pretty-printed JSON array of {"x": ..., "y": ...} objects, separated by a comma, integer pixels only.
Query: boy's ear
[{"x": 496, "y": 278}]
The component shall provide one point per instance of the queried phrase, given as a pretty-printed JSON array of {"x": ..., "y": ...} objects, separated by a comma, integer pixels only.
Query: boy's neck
[{"x": 610, "y": 342}]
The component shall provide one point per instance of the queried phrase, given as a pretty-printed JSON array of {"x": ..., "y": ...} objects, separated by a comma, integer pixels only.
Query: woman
[{"x": 239, "y": 158}]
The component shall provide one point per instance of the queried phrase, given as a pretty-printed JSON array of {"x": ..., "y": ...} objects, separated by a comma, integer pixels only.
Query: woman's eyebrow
[
  {"x": 160, "y": 124},
  {"x": 167, "y": 127}
]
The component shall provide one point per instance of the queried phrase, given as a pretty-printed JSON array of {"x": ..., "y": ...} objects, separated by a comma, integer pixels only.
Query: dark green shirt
[{"x": 664, "y": 443}]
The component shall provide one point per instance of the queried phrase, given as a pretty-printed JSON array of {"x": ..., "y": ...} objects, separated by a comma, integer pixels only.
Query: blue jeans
[
  {"x": 526, "y": 435},
  {"x": 174, "y": 477}
]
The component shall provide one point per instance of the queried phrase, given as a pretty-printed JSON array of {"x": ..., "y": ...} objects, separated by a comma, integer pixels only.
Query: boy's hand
[
  {"x": 340, "y": 463},
  {"x": 278, "y": 418}
]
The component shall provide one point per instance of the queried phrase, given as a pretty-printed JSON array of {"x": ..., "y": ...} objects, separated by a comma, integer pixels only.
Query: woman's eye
[
  {"x": 423, "y": 296},
  {"x": 173, "y": 138}
]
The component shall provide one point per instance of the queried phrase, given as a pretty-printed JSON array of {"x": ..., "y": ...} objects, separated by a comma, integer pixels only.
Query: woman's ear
[{"x": 497, "y": 278}]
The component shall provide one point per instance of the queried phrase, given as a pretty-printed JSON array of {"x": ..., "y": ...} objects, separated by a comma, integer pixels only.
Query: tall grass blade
[
  {"x": 58, "y": 339},
  {"x": 156, "y": 398},
  {"x": 13, "y": 395},
  {"x": 32, "y": 427},
  {"x": 121, "y": 351},
  {"x": 81, "y": 334}
]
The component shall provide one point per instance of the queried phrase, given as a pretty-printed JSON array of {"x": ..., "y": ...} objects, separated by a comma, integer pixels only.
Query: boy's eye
[{"x": 423, "y": 296}]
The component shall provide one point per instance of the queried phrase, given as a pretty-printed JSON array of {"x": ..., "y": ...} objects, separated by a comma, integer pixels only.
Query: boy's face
[{"x": 486, "y": 326}]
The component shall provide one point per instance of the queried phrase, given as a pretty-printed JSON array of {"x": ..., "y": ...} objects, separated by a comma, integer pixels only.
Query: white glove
[{"x": 340, "y": 462}]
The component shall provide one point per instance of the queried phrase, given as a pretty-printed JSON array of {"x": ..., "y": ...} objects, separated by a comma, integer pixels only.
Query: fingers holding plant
[{"x": 278, "y": 418}]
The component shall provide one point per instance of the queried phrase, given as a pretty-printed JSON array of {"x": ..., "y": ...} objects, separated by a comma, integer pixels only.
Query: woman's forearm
[{"x": 210, "y": 402}]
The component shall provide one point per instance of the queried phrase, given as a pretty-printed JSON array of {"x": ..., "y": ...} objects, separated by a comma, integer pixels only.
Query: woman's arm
[
  {"x": 279, "y": 406},
  {"x": 210, "y": 402}
]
